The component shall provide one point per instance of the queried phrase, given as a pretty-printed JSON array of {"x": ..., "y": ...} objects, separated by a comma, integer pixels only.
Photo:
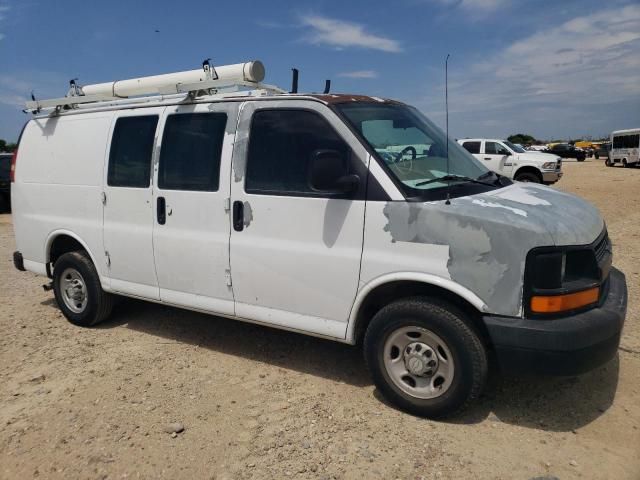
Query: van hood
[{"x": 490, "y": 234}]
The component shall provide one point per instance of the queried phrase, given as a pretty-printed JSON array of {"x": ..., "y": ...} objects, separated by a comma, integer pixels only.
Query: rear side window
[
  {"x": 131, "y": 150},
  {"x": 281, "y": 145},
  {"x": 472, "y": 147},
  {"x": 191, "y": 148}
]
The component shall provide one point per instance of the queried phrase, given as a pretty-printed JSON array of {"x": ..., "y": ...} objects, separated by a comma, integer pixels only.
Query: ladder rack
[{"x": 146, "y": 89}]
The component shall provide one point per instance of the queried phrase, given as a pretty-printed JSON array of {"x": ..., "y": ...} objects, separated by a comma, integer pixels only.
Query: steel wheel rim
[
  {"x": 73, "y": 290},
  {"x": 418, "y": 362}
]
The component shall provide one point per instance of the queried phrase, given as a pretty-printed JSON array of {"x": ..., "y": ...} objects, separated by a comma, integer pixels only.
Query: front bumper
[
  {"x": 551, "y": 177},
  {"x": 562, "y": 346}
]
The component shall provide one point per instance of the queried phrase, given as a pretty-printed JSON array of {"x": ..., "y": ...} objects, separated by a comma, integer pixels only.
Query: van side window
[
  {"x": 281, "y": 145},
  {"x": 131, "y": 150},
  {"x": 190, "y": 152},
  {"x": 472, "y": 147}
]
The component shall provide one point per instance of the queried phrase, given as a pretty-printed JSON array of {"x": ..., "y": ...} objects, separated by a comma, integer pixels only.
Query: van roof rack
[{"x": 207, "y": 81}]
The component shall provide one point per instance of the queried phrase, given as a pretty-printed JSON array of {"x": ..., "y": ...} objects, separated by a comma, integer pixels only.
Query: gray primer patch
[
  {"x": 240, "y": 148},
  {"x": 488, "y": 245},
  {"x": 248, "y": 214}
]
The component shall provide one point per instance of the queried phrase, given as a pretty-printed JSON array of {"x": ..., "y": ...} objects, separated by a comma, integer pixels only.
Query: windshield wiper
[{"x": 453, "y": 178}]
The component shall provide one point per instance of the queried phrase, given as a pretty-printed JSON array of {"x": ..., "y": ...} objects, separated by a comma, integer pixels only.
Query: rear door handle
[
  {"x": 161, "y": 210},
  {"x": 238, "y": 216},
  {"x": 487, "y": 158}
]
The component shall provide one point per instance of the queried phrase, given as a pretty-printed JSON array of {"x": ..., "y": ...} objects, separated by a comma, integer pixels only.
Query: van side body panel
[{"x": 58, "y": 185}]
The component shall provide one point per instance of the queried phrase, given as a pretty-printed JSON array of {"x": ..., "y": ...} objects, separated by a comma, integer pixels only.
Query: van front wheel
[
  {"x": 425, "y": 357},
  {"x": 78, "y": 292}
]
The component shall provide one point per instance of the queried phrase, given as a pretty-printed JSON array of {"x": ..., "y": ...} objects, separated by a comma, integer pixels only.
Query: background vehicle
[
  {"x": 566, "y": 150},
  {"x": 536, "y": 148},
  {"x": 602, "y": 150},
  {"x": 625, "y": 147},
  {"x": 5, "y": 181},
  {"x": 512, "y": 161}
]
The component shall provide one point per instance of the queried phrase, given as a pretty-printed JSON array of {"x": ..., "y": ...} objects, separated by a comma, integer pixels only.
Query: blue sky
[{"x": 549, "y": 68}]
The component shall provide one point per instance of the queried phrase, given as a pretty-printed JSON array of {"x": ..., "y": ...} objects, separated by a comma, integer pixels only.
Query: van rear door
[
  {"x": 191, "y": 223},
  {"x": 127, "y": 199}
]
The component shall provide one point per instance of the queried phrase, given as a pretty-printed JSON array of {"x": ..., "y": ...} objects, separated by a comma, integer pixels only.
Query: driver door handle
[
  {"x": 238, "y": 216},
  {"x": 487, "y": 158}
]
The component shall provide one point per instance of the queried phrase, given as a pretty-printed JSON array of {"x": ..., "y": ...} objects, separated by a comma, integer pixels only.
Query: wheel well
[
  {"x": 533, "y": 170},
  {"x": 387, "y": 293},
  {"x": 63, "y": 244}
]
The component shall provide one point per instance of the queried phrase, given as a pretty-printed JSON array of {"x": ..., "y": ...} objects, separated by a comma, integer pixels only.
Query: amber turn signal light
[{"x": 561, "y": 303}]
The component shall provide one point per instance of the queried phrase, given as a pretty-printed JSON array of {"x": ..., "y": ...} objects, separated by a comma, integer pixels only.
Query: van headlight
[
  {"x": 549, "y": 165},
  {"x": 561, "y": 280}
]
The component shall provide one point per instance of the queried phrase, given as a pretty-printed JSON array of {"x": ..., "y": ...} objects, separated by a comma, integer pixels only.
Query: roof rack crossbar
[{"x": 195, "y": 90}]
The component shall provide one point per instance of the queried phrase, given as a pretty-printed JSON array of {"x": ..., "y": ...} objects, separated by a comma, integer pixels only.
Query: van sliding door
[{"x": 191, "y": 223}]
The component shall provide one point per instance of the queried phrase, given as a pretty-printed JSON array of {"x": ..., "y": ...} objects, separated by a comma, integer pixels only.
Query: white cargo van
[
  {"x": 513, "y": 161},
  {"x": 351, "y": 218}
]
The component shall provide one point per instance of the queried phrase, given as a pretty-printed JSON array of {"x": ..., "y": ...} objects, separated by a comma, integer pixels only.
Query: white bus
[{"x": 625, "y": 148}]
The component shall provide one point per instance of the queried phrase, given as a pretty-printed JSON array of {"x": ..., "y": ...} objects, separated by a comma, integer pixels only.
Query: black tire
[
  {"x": 98, "y": 303},
  {"x": 528, "y": 177},
  {"x": 625, "y": 164},
  {"x": 597, "y": 156},
  {"x": 454, "y": 329},
  {"x": 608, "y": 162}
]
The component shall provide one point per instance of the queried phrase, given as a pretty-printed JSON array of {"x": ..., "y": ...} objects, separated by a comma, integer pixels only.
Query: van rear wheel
[
  {"x": 78, "y": 292},
  {"x": 425, "y": 357}
]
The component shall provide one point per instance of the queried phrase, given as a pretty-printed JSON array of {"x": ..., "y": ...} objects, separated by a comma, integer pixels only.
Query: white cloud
[
  {"x": 359, "y": 74},
  {"x": 342, "y": 34},
  {"x": 477, "y": 5},
  {"x": 560, "y": 72}
]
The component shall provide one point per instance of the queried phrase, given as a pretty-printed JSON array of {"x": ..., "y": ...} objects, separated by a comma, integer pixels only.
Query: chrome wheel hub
[
  {"x": 420, "y": 359},
  {"x": 73, "y": 290},
  {"x": 418, "y": 362}
]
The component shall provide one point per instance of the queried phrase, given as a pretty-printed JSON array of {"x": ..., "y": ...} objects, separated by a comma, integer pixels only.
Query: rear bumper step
[{"x": 18, "y": 261}]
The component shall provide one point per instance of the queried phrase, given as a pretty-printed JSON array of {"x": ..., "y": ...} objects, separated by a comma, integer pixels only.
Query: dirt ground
[{"x": 266, "y": 404}]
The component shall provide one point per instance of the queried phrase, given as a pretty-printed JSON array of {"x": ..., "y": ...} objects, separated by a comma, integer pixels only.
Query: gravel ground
[{"x": 254, "y": 402}]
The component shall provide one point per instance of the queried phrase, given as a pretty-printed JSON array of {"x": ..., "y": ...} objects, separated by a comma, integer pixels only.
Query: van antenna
[
  {"x": 446, "y": 106},
  {"x": 294, "y": 80},
  {"x": 327, "y": 86}
]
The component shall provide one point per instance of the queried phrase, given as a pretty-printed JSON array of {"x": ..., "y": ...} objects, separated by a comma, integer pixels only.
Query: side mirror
[{"x": 329, "y": 172}]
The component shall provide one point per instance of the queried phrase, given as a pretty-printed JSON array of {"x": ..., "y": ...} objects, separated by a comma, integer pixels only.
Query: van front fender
[{"x": 424, "y": 278}]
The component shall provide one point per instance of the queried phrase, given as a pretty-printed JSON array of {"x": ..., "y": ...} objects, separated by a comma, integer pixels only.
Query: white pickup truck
[{"x": 507, "y": 159}]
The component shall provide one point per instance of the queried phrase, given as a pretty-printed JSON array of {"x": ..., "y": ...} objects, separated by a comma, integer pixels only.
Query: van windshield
[{"x": 412, "y": 147}]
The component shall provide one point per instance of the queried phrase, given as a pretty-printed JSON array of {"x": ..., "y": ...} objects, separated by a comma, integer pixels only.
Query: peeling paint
[
  {"x": 248, "y": 214},
  {"x": 484, "y": 203},
  {"x": 489, "y": 235}
]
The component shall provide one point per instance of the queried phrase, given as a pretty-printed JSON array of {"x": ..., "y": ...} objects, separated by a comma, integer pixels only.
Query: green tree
[
  {"x": 3, "y": 144},
  {"x": 521, "y": 138}
]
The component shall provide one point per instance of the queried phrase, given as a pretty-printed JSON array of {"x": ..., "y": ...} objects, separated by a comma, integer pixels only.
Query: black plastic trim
[
  {"x": 564, "y": 346},
  {"x": 18, "y": 261}
]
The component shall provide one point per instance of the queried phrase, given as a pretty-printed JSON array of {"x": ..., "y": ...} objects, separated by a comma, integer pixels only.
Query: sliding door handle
[
  {"x": 161, "y": 210},
  {"x": 238, "y": 216}
]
